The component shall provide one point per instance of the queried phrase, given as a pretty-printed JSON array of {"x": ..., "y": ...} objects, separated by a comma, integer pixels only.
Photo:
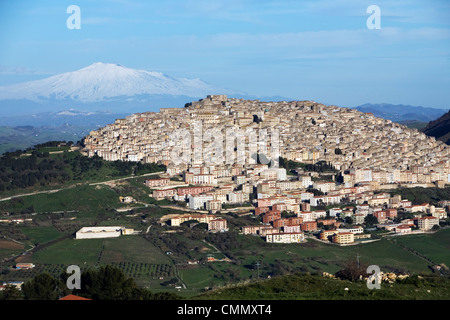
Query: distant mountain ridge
[
  {"x": 70, "y": 117},
  {"x": 400, "y": 112},
  {"x": 104, "y": 86},
  {"x": 101, "y": 81},
  {"x": 24, "y": 131},
  {"x": 108, "y": 86},
  {"x": 439, "y": 128}
]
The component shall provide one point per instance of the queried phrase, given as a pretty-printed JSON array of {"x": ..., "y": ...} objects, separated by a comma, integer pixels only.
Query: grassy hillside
[
  {"x": 51, "y": 166},
  {"x": 419, "y": 195},
  {"x": 303, "y": 286}
]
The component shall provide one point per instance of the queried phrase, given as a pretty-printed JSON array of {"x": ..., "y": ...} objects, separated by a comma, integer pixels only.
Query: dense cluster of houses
[
  {"x": 287, "y": 214},
  {"x": 370, "y": 155}
]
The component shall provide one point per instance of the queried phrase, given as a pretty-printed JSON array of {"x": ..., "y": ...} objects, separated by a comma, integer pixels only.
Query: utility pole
[{"x": 257, "y": 267}]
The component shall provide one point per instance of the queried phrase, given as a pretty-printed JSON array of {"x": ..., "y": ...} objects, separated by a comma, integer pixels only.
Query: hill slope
[
  {"x": 440, "y": 128},
  {"x": 314, "y": 287}
]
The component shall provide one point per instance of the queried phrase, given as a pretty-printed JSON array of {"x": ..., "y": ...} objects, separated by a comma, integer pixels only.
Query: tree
[
  {"x": 189, "y": 223},
  {"x": 111, "y": 283},
  {"x": 435, "y": 227},
  {"x": 316, "y": 192},
  {"x": 370, "y": 220},
  {"x": 11, "y": 292},
  {"x": 107, "y": 283},
  {"x": 44, "y": 287},
  {"x": 353, "y": 270},
  {"x": 201, "y": 226}
]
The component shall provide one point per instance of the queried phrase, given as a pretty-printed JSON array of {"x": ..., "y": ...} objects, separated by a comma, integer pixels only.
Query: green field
[
  {"x": 434, "y": 246},
  {"x": 316, "y": 256},
  {"x": 42, "y": 234},
  {"x": 151, "y": 267},
  {"x": 70, "y": 251},
  {"x": 56, "y": 216},
  {"x": 198, "y": 278},
  {"x": 132, "y": 249},
  {"x": 83, "y": 198}
]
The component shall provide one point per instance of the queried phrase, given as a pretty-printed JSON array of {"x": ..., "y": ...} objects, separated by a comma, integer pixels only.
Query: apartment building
[
  {"x": 152, "y": 183},
  {"x": 217, "y": 225},
  {"x": 343, "y": 238},
  {"x": 291, "y": 237},
  {"x": 427, "y": 223}
]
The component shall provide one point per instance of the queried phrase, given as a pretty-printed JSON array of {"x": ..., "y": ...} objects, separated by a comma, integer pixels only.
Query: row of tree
[{"x": 105, "y": 283}]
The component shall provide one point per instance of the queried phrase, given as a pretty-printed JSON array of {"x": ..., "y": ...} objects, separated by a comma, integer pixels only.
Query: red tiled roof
[{"x": 73, "y": 297}]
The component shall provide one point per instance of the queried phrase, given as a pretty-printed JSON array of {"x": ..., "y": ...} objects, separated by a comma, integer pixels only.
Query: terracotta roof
[{"x": 73, "y": 297}]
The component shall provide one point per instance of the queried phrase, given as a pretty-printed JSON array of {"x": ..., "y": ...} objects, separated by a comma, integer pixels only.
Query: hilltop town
[{"x": 353, "y": 159}]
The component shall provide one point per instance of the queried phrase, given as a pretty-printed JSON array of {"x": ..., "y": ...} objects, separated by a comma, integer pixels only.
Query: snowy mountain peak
[{"x": 107, "y": 81}]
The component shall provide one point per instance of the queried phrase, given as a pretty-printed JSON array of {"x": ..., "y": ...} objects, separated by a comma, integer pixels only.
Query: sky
[{"x": 321, "y": 50}]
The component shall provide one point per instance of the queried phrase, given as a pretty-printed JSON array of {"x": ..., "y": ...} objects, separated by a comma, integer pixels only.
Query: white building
[
  {"x": 325, "y": 200},
  {"x": 191, "y": 178},
  {"x": 427, "y": 223},
  {"x": 102, "y": 232},
  {"x": 133, "y": 157},
  {"x": 335, "y": 211},
  {"x": 358, "y": 218},
  {"x": 274, "y": 174},
  {"x": 292, "y": 237},
  {"x": 353, "y": 230},
  {"x": 291, "y": 229},
  {"x": 306, "y": 216},
  {"x": 306, "y": 181},
  {"x": 237, "y": 197},
  {"x": 324, "y": 186},
  {"x": 199, "y": 201}
]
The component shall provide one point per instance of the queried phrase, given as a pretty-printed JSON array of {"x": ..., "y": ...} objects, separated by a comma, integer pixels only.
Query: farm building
[
  {"x": 102, "y": 232},
  {"x": 25, "y": 266}
]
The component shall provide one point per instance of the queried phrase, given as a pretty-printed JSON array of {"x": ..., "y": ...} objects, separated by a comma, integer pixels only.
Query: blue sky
[{"x": 316, "y": 50}]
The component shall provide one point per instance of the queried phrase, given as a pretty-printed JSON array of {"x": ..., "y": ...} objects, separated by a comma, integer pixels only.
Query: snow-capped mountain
[{"x": 106, "y": 81}]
